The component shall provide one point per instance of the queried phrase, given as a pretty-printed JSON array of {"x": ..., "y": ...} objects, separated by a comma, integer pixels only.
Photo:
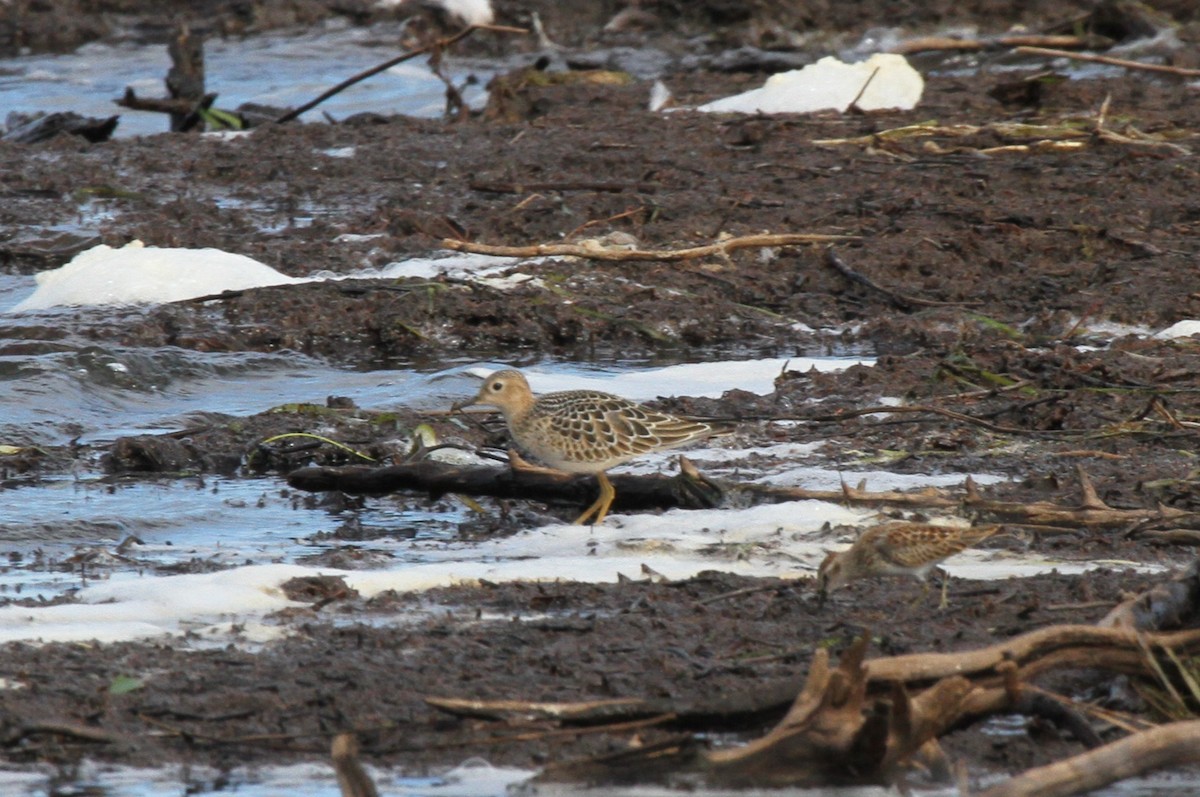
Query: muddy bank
[{"x": 983, "y": 268}]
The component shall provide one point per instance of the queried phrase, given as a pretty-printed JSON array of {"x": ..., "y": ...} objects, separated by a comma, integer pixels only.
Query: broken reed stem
[
  {"x": 1107, "y": 59},
  {"x": 596, "y": 253}
]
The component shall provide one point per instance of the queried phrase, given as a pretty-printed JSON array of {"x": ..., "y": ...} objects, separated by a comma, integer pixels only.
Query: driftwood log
[
  {"x": 865, "y": 721},
  {"x": 690, "y": 490},
  {"x": 834, "y": 733},
  {"x": 1170, "y": 745},
  {"x": 436, "y": 479}
]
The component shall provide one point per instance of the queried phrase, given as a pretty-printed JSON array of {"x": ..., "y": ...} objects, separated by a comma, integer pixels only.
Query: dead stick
[
  {"x": 562, "y": 185},
  {"x": 920, "y": 408},
  {"x": 1167, "y": 745},
  {"x": 1024, "y": 648},
  {"x": 1106, "y": 59},
  {"x": 574, "y": 250},
  {"x": 353, "y": 780},
  {"x": 75, "y": 730},
  {"x": 932, "y": 43},
  {"x": 556, "y": 733},
  {"x": 361, "y": 76},
  {"x": 903, "y": 302}
]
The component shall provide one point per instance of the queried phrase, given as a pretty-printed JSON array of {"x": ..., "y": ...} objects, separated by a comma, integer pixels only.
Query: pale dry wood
[
  {"x": 1033, "y": 652},
  {"x": 929, "y": 497},
  {"x": 835, "y": 732},
  {"x": 1091, "y": 513},
  {"x": 1017, "y": 130},
  {"x": 1108, "y": 59},
  {"x": 353, "y": 780},
  {"x": 599, "y": 253},
  {"x": 585, "y": 711},
  {"x": 940, "y": 43},
  {"x": 1165, "y": 746}
]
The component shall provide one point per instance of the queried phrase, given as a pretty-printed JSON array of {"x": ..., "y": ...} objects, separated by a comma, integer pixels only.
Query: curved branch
[
  {"x": 1164, "y": 746},
  {"x": 1030, "y": 652}
]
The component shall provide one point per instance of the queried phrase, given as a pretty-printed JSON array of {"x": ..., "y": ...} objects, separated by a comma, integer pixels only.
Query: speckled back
[{"x": 585, "y": 431}]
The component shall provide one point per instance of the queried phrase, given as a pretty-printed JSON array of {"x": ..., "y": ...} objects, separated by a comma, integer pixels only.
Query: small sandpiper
[
  {"x": 586, "y": 431},
  {"x": 897, "y": 549}
]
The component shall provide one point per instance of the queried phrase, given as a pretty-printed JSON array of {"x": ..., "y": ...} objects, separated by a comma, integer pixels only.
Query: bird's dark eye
[{"x": 497, "y": 387}]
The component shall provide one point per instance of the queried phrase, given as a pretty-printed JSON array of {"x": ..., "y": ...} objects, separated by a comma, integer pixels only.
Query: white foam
[
  {"x": 139, "y": 274},
  {"x": 471, "y": 12},
  {"x": 455, "y": 265},
  {"x": 830, "y": 84},
  {"x": 1180, "y": 329},
  {"x": 150, "y": 606},
  {"x": 136, "y": 273}
]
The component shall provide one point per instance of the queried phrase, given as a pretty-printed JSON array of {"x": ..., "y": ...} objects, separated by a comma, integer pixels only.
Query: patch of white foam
[
  {"x": 763, "y": 540},
  {"x": 471, "y": 12},
  {"x": 830, "y": 84},
  {"x": 140, "y": 274},
  {"x": 136, "y": 273},
  {"x": 1112, "y": 330},
  {"x": 1180, "y": 329},
  {"x": 132, "y": 608},
  {"x": 452, "y": 265},
  {"x": 709, "y": 380},
  {"x": 822, "y": 478}
]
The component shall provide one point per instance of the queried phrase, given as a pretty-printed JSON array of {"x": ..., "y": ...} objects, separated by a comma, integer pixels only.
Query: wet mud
[{"x": 977, "y": 267}]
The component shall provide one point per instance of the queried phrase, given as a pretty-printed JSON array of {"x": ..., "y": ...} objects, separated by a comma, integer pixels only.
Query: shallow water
[
  {"x": 277, "y": 69},
  {"x": 60, "y": 534},
  {"x": 474, "y": 778}
]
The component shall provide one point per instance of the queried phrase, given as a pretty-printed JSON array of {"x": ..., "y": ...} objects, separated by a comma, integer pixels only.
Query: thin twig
[
  {"x": 554, "y": 733},
  {"x": 901, "y": 300},
  {"x": 939, "y": 43},
  {"x": 361, "y": 76},
  {"x": 1107, "y": 59},
  {"x": 921, "y": 408}
]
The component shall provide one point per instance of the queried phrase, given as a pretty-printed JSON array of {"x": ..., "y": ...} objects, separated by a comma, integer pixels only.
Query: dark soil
[{"x": 989, "y": 270}]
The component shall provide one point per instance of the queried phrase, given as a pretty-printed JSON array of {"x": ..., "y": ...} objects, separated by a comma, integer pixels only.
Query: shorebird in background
[{"x": 899, "y": 549}]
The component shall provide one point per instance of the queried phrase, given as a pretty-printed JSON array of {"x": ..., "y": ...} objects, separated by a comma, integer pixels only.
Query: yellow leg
[
  {"x": 601, "y": 505},
  {"x": 945, "y": 604},
  {"x": 924, "y": 594},
  {"x": 518, "y": 462}
]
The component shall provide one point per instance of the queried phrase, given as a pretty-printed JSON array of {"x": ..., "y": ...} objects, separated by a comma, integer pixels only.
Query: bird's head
[
  {"x": 507, "y": 391},
  {"x": 831, "y": 575}
]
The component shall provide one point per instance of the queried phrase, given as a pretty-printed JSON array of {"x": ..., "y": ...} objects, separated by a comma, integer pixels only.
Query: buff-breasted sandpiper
[
  {"x": 586, "y": 431},
  {"x": 898, "y": 548}
]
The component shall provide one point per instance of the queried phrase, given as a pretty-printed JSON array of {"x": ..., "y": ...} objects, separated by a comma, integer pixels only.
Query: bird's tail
[{"x": 977, "y": 534}]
